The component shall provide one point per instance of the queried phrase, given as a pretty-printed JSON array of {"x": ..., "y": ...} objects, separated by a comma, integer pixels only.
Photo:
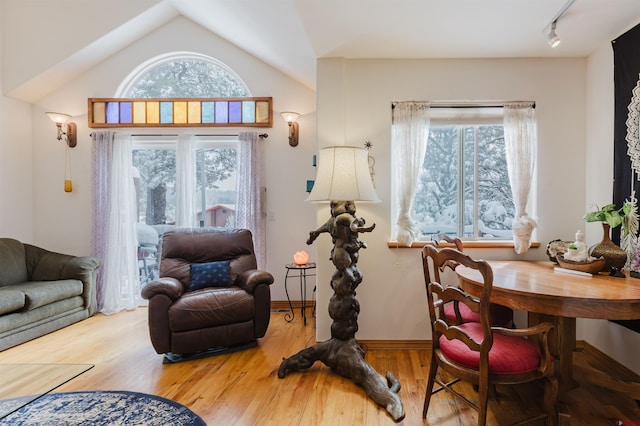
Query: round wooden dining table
[{"x": 548, "y": 294}]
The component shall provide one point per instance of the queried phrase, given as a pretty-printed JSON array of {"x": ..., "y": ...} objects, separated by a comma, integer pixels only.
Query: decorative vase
[{"x": 612, "y": 253}]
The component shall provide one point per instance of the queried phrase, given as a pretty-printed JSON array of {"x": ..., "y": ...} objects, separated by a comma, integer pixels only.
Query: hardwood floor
[{"x": 243, "y": 388}]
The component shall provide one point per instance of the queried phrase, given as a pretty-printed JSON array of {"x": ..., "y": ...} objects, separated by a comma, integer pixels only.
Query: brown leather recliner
[{"x": 210, "y": 296}]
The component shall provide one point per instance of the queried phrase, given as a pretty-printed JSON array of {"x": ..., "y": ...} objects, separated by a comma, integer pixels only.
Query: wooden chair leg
[
  {"x": 551, "y": 400},
  {"x": 433, "y": 370},
  {"x": 483, "y": 400}
]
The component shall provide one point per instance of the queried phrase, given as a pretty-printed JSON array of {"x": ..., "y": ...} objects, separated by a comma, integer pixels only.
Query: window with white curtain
[
  {"x": 182, "y": 179},
  {"x": 214, "y": 167},
  {"x": 463, "y": 188},
  {"x": 153, "y": 180}
]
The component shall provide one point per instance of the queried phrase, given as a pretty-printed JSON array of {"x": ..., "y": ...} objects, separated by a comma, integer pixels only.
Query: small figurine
[{"x": 578, "y": 251}]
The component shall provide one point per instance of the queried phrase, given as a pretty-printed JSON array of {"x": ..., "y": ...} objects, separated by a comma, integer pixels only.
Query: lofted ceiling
[{"x": 291, "y": 34}]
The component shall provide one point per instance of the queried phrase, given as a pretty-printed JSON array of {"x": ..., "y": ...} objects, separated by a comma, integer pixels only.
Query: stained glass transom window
[
  {"x": 182, "y": 90},
  {"x": 180, "y": 112}
]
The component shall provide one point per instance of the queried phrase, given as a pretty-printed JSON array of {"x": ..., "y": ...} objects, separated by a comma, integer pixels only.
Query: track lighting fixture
[
  {"x": 554, "y": 40},
  {"x": 550, "y": 30}
]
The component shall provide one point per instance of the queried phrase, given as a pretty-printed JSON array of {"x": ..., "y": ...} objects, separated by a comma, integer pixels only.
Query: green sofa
[{"x": 42, "y": 291}]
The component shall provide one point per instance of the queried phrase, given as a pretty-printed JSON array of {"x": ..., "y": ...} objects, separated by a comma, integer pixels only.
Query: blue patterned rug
[{"x": 100, "y": 408}]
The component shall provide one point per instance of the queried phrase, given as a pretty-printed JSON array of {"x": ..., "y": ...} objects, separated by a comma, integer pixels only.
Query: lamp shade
[
  {"x": 343, "y": 175},
  {"x": 289, "y": 116},
  {"x": 58, "y": 117}
]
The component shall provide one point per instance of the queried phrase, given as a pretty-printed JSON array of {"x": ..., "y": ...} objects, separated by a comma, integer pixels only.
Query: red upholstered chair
[
  {"x": 476, "y": 352},
  {"x": 498, "y": 315}
]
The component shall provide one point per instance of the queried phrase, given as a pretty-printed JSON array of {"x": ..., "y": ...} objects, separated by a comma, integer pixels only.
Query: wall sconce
[
  {"x": 290, "y": 118},
  {"x": 70, "y": 135}
]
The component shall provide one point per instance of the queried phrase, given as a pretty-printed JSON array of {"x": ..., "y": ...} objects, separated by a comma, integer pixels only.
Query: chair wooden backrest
[
  {"x": 476, "y": 352},
  {"x": 498, "y": 315},
  {"x": 440, "y": 238},
  {"x": 440, "y": 295}
]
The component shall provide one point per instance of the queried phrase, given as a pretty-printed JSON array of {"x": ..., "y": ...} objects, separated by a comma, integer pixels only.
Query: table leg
[
  {"x": 303, "y": 295},
  {"x": 566, "y": 332},
  {"x": 289, "y": 316},
  {"x": 563, "y": 344}
]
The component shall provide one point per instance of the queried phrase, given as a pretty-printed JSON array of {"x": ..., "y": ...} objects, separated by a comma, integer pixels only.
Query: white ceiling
[{"x": 291, "y": 34}]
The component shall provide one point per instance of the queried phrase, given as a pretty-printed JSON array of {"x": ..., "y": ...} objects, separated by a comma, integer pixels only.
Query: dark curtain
[{"x": 626, "y": 62}]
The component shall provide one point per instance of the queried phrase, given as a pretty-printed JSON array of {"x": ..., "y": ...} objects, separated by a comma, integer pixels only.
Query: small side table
[{"x": 303, "y": 273}]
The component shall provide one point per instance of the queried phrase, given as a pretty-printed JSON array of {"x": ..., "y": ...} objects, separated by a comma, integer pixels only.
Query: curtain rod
[
  {"x": 261, "y": 135},
  {"x": 470, "y": 105}
]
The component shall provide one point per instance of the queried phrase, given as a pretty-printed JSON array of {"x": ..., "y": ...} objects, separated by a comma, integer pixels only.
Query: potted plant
[{"x": 611, "y": 217}]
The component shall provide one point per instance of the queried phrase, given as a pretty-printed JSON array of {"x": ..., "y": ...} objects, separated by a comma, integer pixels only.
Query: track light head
[{"x": 554, "y": 40}]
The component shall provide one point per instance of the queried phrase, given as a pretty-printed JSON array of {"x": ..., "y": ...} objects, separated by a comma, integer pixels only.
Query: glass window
[
  {"x": 154, "y": 156},
  {"x": 155, "y": 181},
  {"x": 215, "y": 167},
  {"x": 464, "y": 186},
  {"x": 187, "y": 77}
]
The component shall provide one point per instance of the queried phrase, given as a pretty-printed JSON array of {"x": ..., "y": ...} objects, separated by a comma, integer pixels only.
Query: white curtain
[
  {"x": 114, "y": 222},
  {"x": 410, "y": 132},
  {"x": 251, "y": 194},
  {"x": 185, "y": 182},
  {"x": 521, "y": 140}
]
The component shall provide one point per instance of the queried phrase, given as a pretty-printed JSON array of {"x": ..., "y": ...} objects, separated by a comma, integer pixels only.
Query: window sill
[{"x": 465, "y": 244}]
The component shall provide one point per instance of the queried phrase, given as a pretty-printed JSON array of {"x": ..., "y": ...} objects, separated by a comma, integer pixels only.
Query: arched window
[
  {"x": 211, "y": 162},
  {"x": 187, "y": 75},
  {"x": 183, "y": 176}
]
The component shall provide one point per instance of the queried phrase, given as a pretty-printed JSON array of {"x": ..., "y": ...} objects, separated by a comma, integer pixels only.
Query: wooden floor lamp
[{"x": 343, "y": 178}]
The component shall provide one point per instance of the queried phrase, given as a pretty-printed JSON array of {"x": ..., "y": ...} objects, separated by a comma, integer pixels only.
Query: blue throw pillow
[{"x": 211, "y": 274}]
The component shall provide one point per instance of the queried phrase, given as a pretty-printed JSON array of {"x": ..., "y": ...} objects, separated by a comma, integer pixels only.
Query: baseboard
[
  {"x": 395, "y": 345},
  {"x": 597, "y": 357},
  {"x": 283, "y": 305}
]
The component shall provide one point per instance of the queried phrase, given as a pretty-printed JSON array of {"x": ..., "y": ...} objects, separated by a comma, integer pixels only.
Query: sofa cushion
[
  {"x": 40, "y": 293},
  {"x": 199, "y": 309},
  {"x": 11, "y": 300},
  {"x": 16, "y": 322},
  {"x": 210, "y": 274},
  {"x": 13, "y": 262}
]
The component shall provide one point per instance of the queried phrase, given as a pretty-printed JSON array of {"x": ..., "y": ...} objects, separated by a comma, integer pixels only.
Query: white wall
[
  {"x": 613, "y": 339},
  {"x": 62, "y": 221},
  {"x": 574, "y": 101},
  {"x": 354, "y": 105},
  {"x": 16, "y": 178}
]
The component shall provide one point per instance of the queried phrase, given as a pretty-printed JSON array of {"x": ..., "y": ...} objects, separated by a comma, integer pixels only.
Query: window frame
[
  {"x": 170, "y": 142},
  {"x": 442, "y": 113}
]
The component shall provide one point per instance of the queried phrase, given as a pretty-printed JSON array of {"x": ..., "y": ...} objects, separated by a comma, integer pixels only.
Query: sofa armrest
[
  {"x": 249, "y": 280},
  {"x": 44, "y": 265},
  {"x": 170, "y": 287}
]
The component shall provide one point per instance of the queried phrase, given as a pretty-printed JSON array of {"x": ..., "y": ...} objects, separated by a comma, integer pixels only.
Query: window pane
[
  {"x": 483, "y": 208},
  {"x": 496, "y": 208},
  {"x": 216, "y": 174},
  {"x": 436, "y": 204},
  {"x": 468, "y": 178},
  {"x": 189, "y": 78},
  {"x": 155, "y": 188}
]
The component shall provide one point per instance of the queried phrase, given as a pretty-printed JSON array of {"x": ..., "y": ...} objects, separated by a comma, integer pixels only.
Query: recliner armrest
[
  {"x": 249, "y": 280},
  {"x": 170, "y": 287}
]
